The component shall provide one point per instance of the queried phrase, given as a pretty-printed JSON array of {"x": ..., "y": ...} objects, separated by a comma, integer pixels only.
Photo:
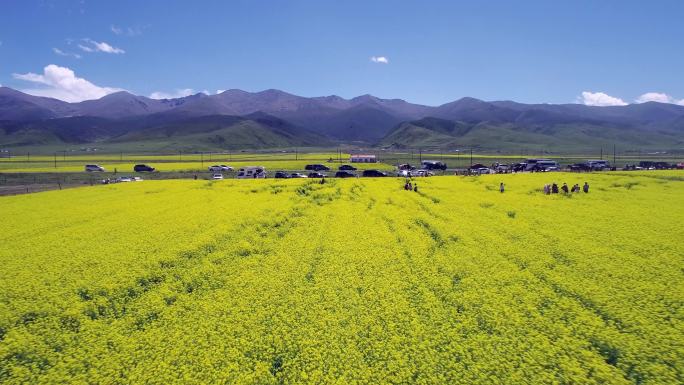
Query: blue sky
[{"x": 436, "y": 51}]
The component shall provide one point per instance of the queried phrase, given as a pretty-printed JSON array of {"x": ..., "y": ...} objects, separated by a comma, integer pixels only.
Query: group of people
[
  {"x": 553, "y": 188},
  {"x": 408, "y": 186}
]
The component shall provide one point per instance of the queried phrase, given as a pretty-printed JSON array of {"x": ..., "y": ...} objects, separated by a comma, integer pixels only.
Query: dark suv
[
  {"x": 316, "y": 167},
  {"x": 373, "y": 173},
  {"x": 281, "y": 175},
  {"x": 346, "y": 167},
  {"x": 344, "y": 174},
  {"x": 317, "y": 175},
  {"x": 143, "y": 168}
]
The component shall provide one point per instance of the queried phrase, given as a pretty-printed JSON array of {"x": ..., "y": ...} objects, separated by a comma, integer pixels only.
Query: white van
[{"x": 251, "y": 172}]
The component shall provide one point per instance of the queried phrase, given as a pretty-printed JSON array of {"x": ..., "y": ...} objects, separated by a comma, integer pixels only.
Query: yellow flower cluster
[{"x": 354, "y": 281}]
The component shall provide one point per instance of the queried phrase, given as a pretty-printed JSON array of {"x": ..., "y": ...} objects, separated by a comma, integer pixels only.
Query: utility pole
[
  {"x": 471, "y": 157},
  {"x": 180, "y": 155},
  {"x": 601, "y": 152},
  {"x": 55, "y": 159},
  {"x": 28, "y": 156},
  {"x": 121, "y": 156},
  {"x": 614, "y": 165},
  {"x": 420, "y": 155},
  {"x": 202, "y": 159}
]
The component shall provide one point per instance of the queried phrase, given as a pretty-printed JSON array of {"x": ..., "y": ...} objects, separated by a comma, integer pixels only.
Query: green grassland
[{"x": 355, "y": 281}]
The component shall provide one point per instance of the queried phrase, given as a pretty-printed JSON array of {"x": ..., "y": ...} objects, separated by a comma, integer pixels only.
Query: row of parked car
[
  {"x": 122, "y": 179},
  {"x": 136, "y": 168},
  {"x": 338, "y": 174},
  {"x": 536, "y": 165},
  {"x": 427, "y": 169}
]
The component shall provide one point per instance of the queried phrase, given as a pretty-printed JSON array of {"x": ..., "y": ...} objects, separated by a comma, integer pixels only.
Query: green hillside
[{"x": 439, "y": 133}]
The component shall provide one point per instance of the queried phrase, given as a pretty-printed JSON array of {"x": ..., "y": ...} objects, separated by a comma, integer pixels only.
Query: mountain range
[{"x": 268, "y": 119}]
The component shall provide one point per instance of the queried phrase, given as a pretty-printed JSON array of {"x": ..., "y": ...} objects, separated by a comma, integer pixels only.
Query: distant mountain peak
[
  {"x": 119, "y": 95},
  {"x": 365, "y": 98}
]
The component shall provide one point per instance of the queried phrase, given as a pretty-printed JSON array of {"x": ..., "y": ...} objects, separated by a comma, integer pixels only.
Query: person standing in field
[
  {"x": 547, "y": 189},
  {"x": 565, "y": 188},
  {"x": 501, "y": 187},
  {"x": 586, "y": 187},
  {"x": 554, "y": 188},
  {"x": 415, "y": 187}
]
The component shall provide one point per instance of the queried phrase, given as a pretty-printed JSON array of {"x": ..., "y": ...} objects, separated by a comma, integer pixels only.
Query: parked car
[
  {"x": 136, "y": 179},
  {"x": 316, "y": 167},
  {"x": 543, "y": 165},
  {"x": 598, "y": 165},
  {"x": 346, "y": 167},
  {"x": 531, "y": 164},
  {"x": 124, "y": 179},
  {"x": 577, "y": 167},
  {"x": 517, "y": 167},
  {"x": 220, "y": 168},
  {"x": 405, "y": 166},
  {"x": 317, "y": 175},
  {"x": 373, "y": 173},
  {"x": 281, "y": 175},
  {"x": 94, "y": 168},
  {"x": 217, "y": 176},
  {"x": 434, "y": 165},
  {"x": 501, "y": 168},
  {"x": 647, "y": 165},
  {"x": 298, "y": 175},
  {"x": 143, "y": 168},
  {"x": 663, "y": 166},
  {"x": 483, "y": 170},
  {"x": 404, "y": 173},
  {"x": 251, "y": 172},
  {"x": 422, "y": 173},
  {"x": 344, "y": 174}
]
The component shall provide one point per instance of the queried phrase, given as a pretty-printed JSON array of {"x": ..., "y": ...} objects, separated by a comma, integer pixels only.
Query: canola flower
[{"x": 349, "y": 282}]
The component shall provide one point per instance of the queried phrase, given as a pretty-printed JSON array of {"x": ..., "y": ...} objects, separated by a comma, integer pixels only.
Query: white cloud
[
  {"x": 379, "y": 59},
  {"x": 62, "y": 83},
  {"x": 94, "y": 46},
  {"x": 179, "y": 93},
  {"x": 68, "y": 54},
  {"x": 659, "y": 97},
  {"x": 127, "y": 31},
  {"x": 600, "y": 99},
  {"x": 86, "y": 49}
]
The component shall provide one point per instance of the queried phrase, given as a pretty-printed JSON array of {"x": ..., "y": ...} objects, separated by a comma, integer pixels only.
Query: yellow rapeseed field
[{"x": 354, "y": 281}]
